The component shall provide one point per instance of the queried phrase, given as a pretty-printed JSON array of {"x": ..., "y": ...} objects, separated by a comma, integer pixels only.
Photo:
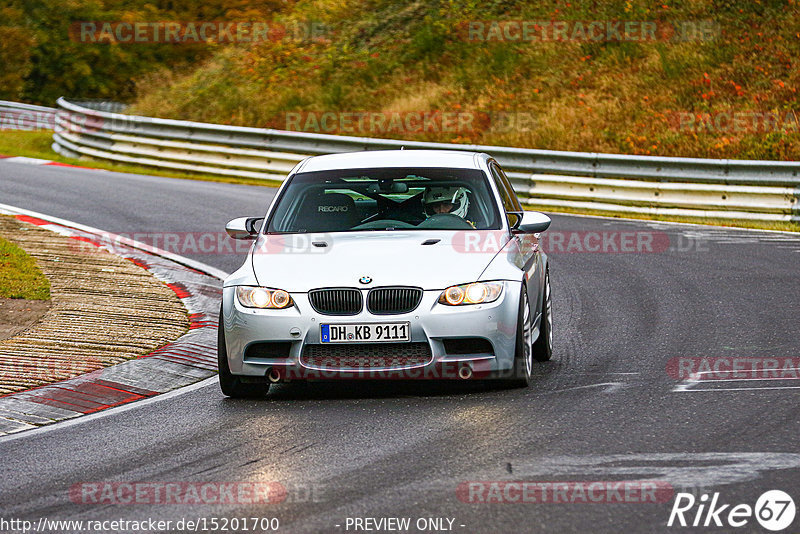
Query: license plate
[{"x": 361, "y": 333}]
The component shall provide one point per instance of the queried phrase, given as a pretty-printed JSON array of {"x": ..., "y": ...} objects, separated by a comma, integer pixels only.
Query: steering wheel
[{"x": 445, "y": 221}]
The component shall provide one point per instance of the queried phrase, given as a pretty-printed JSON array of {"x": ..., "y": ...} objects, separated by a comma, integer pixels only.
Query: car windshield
[{"x": 385, "y": 199}]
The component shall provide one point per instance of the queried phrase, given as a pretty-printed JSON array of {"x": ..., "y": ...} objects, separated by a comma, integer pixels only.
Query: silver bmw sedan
[{"x": 403, "y": 264}]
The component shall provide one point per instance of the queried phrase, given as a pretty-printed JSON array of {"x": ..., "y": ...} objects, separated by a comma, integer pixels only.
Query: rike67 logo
[{"x": 774, "y": 510}]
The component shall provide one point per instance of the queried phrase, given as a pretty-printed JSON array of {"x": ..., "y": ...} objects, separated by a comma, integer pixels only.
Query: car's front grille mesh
[
  {"x": 393, "y": 300},
  {"x": 366, "y": 355},
  {"x": 336, "y": 301}
]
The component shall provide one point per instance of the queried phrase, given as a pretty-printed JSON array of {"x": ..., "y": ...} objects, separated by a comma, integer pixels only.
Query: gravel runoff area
[{"x": 104, "y": 310}]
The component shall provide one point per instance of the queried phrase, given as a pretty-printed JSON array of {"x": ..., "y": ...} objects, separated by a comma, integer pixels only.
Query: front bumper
[{"x": 430, "y": 323}]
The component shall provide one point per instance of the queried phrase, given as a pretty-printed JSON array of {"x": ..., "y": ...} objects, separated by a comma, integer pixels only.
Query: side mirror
[
  {"x": 514, "y": 219},
  {"x": 244, "y": 227},
  {"x": 533, "y": 222}
]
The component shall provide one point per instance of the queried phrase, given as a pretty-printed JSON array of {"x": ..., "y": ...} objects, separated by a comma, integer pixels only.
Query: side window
[
  {"x": 514, "y": 200},
  {"x": 513, "y": 194},
  {"x": 501, "y": 188},
  {"x": 510, "y": 202}
]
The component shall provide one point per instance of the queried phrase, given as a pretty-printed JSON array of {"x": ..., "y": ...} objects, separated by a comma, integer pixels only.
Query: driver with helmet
[{"x": 440, "y": 200}]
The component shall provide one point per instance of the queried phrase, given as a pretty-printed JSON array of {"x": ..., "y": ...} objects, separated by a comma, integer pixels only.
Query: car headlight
[
  {"x": 262, "y": 297},
  {"x": 475, "y": 293}
]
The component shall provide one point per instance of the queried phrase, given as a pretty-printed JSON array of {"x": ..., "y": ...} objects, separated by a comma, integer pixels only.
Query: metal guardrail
[
  {"x": 689, "y": 187},
  {"x": 101, "y": 105},
  {"x": 17, "y": 116}
]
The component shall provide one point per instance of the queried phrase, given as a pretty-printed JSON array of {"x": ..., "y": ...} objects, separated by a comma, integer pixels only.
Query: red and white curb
[
  {"x": 189, "y": 359},
  {"x": 37, "y": 161}
]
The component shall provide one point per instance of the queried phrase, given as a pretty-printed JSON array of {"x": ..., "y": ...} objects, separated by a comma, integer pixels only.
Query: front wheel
[
  {"x": 232, "y": 385},
  {"x": 543, "y": 346},
  {"x": 523, "y": 362}
]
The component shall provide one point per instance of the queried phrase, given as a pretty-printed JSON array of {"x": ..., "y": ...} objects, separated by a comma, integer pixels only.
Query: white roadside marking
[
  {"x": 688, "y": 383},
  {"x": 194, "y": 264},
  {"x": 711, "y": 469},
  {"x": 738, "y": 389},
  {"x": 26, "y": 160},
  {"x": 753, "y": 379},
  {"x": 695, "y": 379},
  {"x": 61, "y": 226},
  {"x": 601, "y": 373},
  {"x": 110, "y": 411},
  {"x": 610, "y": 387}
]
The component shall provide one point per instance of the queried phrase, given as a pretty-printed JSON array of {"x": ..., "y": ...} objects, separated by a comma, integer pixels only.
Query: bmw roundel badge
[{"x": 365, "y": 279}]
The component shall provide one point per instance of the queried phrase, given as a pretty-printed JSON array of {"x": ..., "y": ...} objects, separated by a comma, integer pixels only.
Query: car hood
[{"x": 299, "y": 262}]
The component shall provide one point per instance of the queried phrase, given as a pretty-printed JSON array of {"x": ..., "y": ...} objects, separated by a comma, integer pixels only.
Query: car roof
[{"x": 394, "y": 158}]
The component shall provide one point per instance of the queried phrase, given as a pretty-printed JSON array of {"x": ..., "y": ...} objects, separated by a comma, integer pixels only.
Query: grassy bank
[
  {"x": 718, "y": 79},
  {"x": 20, "y": 277}
]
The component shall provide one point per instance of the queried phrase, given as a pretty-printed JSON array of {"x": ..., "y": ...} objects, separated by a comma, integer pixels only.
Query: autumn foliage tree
[{"x": 40, "y": 59}]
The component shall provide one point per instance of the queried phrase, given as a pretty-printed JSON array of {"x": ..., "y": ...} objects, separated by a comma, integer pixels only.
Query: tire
[
  {"x": 231, "y": 385},
  {"x": 543, "y": 346},
  {"x": 523, "y": 363}
]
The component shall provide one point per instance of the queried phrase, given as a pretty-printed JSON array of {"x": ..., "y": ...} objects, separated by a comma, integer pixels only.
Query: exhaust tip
[
  {"x": 465, "y": 372},
  {"x": 274, "y": 376}
]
